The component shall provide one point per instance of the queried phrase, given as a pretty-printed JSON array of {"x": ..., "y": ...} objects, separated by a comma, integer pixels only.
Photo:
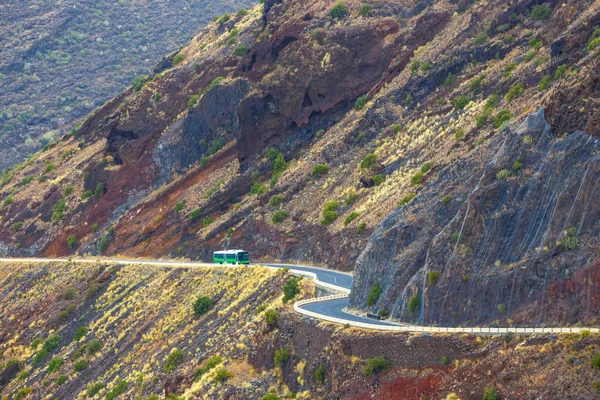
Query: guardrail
[{"x": 430, "y": 329}]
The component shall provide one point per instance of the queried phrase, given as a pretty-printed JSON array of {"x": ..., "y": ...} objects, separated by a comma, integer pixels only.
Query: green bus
[{"x": 233, "y": 257}]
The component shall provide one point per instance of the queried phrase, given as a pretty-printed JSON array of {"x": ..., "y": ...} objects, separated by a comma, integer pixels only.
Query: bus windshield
[{"x": 243, "y": 256}]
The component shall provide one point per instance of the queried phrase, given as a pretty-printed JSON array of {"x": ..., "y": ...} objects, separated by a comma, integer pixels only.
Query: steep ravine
[{"x": 506, "y": 242}]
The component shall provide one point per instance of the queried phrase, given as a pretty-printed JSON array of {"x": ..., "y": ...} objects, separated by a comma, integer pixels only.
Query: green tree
[{"x": 203, "y": 305}]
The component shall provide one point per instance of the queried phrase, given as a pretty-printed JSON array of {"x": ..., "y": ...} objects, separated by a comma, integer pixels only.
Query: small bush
[
  {"x": 351, "y": 199},
  {"x": 258, "y": 189},
  {"x": 68, "y": 190},
  {"x": 240, "y": 51},
  {"x": 365, "y": 10},
  {"x": 374, "y": 294},
  {"x": 530, "y": 55},
  {"x": 93, "y": 347},
  {"x": 178, "y": 59},
  {"x": 560, "y": 71},
  {"x": 477, "y": 82},
  {"x": 193, "y": 100},
  {"x": 281, "y": 357},
  {"x": 406, "y": 199},
  {"x": 491, "y": 393},
  {"x": 203, "y": 305},
  {"x": 433, "y": 276},
  {"x": 376, "y": 365},
  {"x": 502, "y": 174},
  {"x": 279, "y": 216},
  {"x": 207, "y": 221},
  {"x": 17, "y": 226},
  {"x": 514, "y": 92},
  {"x": 461, "y": 102},
  {"x": 450, "y": 79},
  {"x": 426, "y": 66},
  {"x": 52, "y": 343},
  {"x": 425, "y": 168},
  {"x": 174, "y": 359},
  {"x": 72, "y": 242},
  {"x": 414, "y": 66},
  {"x": 542, "y": 11},
  {"x": 59, "y": 210},
  {"x": 210, "y": 364},
  {"x": 480, "y": 39},
  {"x": 276, "y": 200},
  {"x": 417, "y": 178},
  {"x": 55, "y": 364},
  {"x": 87, "y": 194},
  {"x": 377, "y": 180},
  {"x": 502, "y": 117},
  {"x": 39, "y": 357},
  {"x": 8, "y": 201},
  {"x": 351, "y": 218},
  {"x": 117, "y": 390},
  {"x": 23, "y": 393},
  {"x": 320, "y": 374},
  {"x": 545, "y": 82},
  {"x": 290, "y": 289},
  {"x": 481, "y": 119},
  {"x": 320, "y": 170},
  {"x": 80, "y": 365},
  {"x": 80, "y": 333},
  {"x": 222, "y": 375},
  {"x": 94, "y": 388},
  {"x": 459, "y": 134},
  {"x": 179, "y": 206},
  {"x": 509, "y": 68},
  {"x": 139, "y": 81},
  {"x": 414, "y": 304},
  {"x": 271, "y": 316},
  {"x": 61, "y": 380},
  {"x": 329, "y": 217},
  {"x": 596, "y": 361},
  {"x": 369, "y": 161},
  {"x": 361, "y": 227},
  {"x": 338, "y": 11},
  {"x": 446, "y": 199},
  {"x": 361, "y": 102}
]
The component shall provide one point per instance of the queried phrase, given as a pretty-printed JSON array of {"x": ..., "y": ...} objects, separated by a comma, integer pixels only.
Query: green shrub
[
  {"x": 276, "y": 200},
  {"x": 508, "y": 39},
  {"x": 450, "y": 79},
  {"x": 480, "y": 39},
  {"x": 414, "y": 66},
  {"x": 408, "y": 100},
  {"x": 87, "y": 194},
  {"x": 365, "y": 10},
  {"x": 179, "y": 206},
  {"x": 377, "y": 180},
  {"x": 290, "y": 289},
  {"x": 99, "y": 190},
  {"x": 59, "y": 210},
  {"x": 258, "y": 189},
  {"x": 414, "y": 304},
  {"x": 281, "y": 357},
  {"x": 271, "y": 316},
  {"x": 80, "y": 333},
  {"x": 502, "y": 174},
  {"x": 138, "y": 82},
  {"x": 446, "y": 199},
  {"x": 8, "y": 201},
  {"x": 279, "y": 216},
  {"x": 406, "y": 199},
  {"x": 39, "y": 357},
  {"x": 117, "y": 390},
  {"x": 61, "y": 380},
  {"x": 178, "y": 59},
  {"x": 351, "y": 199},
  {"x": 492, "y": 102},
  {"x": 369, "y": 161},
  {"x": 560, "y": 71},
  {"x": 17, "y": 226},
  {"x": 72, "y": 242},
  {"x": 502, "y": 117},
  {"x": 417, "y": 178},
  {"x": 64, "y": 315},
  {"x": 329, "y": 217},
  {"x": 361, "y": 102},
  {"x": 210, "y": 364},
  {"x": 203, "y": 305},
  {"x": 491, "y": 393},
  {"x": 23, "y": 393},
  {"x": 68, "y": 190},
  {"x": 338, "y": 11},
  {"x": 104, "y": 242},
  {"x": 241, "y": 12},
  {"x": 52, "y": 343},
  {"x": 24, "y": 375},
  {"x": 240, "y": 51},
  {"x": 193, "y": 100},
  {"x": 374, "y": 294},
  {"x": 545, "y": 82},
  {"x": 444, "y": 360},
  {"x": 541, "y": 11},
  {"x": 222, "y": 375},
  {"x": 433, "y": 276},
  {"x": 361, "y": 227},
  {"x": 477, "y": 82},
  {"x": 94, "y": 388},
  {"x": 207, "y": 221},
  {"x": 204, "y": 161},
  {"x": 174, "y": 359},
  {"x": 55, "y": 364},
  {"x": 530, "y": 55},
  {"x": 351, "y": 217},
  {"x": 426, "y": 66},
  {"x": 535, "y": 43},
  {"x": 596, "y": 385},
  {"x": 594, "y": 41},
  {"x": 376, "y": 365},
  {"x": 80, "y": 365},
  {"x": 461, "y": 102},
  {"x": 517, "y": 165},
  {"x": 481, "y": 119},
  {"x": 35, "y": 343},
  {"x": 425, "y": 168},
  {"x": 514, "y": 92},
  {"x": 26, "y": 181},
  {"x": 320, "y": 373},
  {"x": 215, "y": 82}
]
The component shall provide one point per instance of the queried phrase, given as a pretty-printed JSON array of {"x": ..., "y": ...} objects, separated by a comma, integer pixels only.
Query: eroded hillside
[
  {"x": 107, "y": 331},
  {"x": 295, "y": 129}
]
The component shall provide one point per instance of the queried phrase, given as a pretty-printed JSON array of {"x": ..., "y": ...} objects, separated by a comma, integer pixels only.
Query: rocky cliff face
[{"x": 508, "y": 232}]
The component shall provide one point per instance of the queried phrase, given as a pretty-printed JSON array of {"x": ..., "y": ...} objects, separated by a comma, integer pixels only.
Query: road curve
[{"x": 328, "y": 308}]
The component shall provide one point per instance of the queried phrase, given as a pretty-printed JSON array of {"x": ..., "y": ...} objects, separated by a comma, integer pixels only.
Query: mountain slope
[{"x": 298, "y": 129}]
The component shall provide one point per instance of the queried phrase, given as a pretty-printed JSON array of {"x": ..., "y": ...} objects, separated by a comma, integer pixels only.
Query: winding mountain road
[{"x": 328, "y": 308}]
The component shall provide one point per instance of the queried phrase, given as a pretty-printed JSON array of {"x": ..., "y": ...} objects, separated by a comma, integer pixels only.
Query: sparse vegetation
[
  {"x": 174, "y": 359},
  {"x": 376, "y": 365},
  {"x": 491, "y": 393},
  {"x": 211, "y": 363},
  {"x": 406, "y": 199},
  {"x": 117, "y": 391},
  {"x": 351, "y": 218}
]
